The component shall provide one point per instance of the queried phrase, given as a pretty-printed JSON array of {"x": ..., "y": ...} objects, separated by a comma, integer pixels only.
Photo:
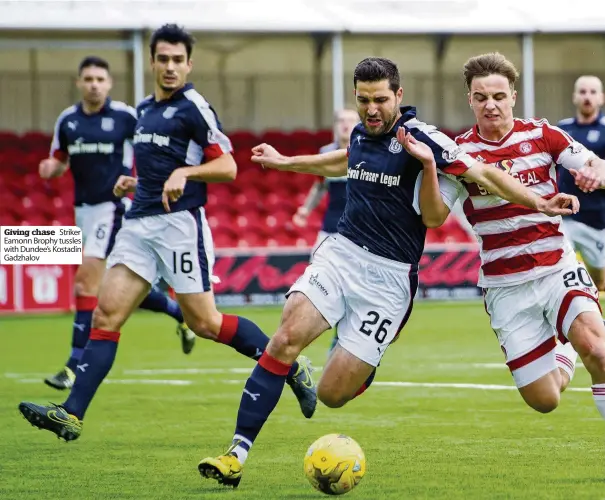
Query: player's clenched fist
[
  {"x": 269, "y": 157},
  {"x": 174, "y": 188},
  {"x": 124, "y": 184}
]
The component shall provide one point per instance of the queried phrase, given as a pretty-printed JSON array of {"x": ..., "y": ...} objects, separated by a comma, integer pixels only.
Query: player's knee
[
  {"x": 207, "y": 327},
  {"x": 546, "y": 404},
  {"x": 286, "y": 343},
  {"x": 332, "y": 399},
  {"x": 332, "y": 395},
  {"x": 544, "y": 401},
  {"x": 102, "y": 317}
]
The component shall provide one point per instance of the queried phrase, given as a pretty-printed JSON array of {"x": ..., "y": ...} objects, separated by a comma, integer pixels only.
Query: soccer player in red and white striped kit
[{"x": 535, "y": 290}]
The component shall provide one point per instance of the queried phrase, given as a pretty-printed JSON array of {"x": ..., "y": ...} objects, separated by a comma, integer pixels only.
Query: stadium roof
[{"x": 304, "y": 16}]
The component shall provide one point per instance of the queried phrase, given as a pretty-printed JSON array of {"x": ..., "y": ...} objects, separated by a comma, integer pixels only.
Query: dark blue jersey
[
  {"x": 172, "y": 133},
  {"x": 336, "y": 188},
  {"x": 380, "y": 215},
  {"x": 98, "y": 148},
  {"x": 592, "y": 205}
]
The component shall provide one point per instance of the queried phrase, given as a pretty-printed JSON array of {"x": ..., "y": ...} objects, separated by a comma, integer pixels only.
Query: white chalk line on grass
[
  {"x": 189, "y": 371},
  {"x": 133, "y": 381},
  {"x": 486, "y": 387},
  {"x": 431, "y": 385},
  {"x": 502, "y": 365}
]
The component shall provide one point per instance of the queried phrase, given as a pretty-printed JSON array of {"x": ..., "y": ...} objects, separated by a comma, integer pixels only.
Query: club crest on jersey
[
  {"x": 395, "y": 147},
  {"x": 525, "y": 147},
  {"x": 505, "y": 165},
  {"x": 593, "y": 135},
  {"x": 169, "y": 112},
  {"x": 107, "y": 124}
]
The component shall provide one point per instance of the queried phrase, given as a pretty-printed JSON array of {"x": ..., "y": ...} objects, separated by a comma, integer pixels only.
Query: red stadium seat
[
  {"x": 221, "y": 220},
  {"x": 243, "y": 139},
  {"x": 224, "y": 240},
  {"x": 250, "y": 239}
]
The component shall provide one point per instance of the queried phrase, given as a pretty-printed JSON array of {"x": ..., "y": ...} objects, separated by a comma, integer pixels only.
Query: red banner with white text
[{"x": 248, "y": 277}]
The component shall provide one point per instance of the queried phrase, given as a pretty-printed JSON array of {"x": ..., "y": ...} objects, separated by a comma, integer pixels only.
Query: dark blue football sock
[
  {"x": 81, "y": 329},
  {"x": 261, "y": 394},
  {"x": 156, "y": 301},
  {"x": 94, "y": 366}
]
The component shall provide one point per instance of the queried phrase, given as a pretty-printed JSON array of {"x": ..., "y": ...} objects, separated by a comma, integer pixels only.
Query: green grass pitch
[{"x": 163, "y": 411}]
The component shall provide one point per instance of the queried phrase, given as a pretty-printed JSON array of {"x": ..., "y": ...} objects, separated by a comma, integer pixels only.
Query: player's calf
[
  {"x": 344, "y": 378},
  {"x": 587, "y": 334}
]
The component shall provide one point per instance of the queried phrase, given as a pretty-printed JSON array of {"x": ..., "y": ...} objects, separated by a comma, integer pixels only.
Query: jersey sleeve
[
  {"x": 58, "y": 146},
  {"x": 564, "y": 149},
  {"x": 449, "y": 187},
  {"x": 128, "y": 156},
  {"x": 207, "y": 132},
  {"x": 449, "y": 156}
]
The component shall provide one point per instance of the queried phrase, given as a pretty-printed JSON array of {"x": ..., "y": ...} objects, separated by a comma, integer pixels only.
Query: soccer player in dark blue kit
[
  {"x": 179, "y": 147},
  {"x": 93, "y": 139},
  {"x": 364, "y": 278},
  {"x": 586, "y": 229},
  {"x": 334, "y": 187}
]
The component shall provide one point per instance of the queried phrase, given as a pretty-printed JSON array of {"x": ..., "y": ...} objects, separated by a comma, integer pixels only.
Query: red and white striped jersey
[{"x": 519, "y": 244}]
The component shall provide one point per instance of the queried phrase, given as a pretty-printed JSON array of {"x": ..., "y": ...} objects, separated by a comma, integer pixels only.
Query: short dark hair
[
  {"x": 97, "y": 62},
  {"x": 172, "y": 34},
  {"x": 374, "y": 69}
]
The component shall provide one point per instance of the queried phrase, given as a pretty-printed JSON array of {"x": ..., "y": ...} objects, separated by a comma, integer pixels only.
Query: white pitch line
[
  {"x": 486, "y": 387},
  {"x": 121, "y": 381},
  {"x": 188, "y": 371},
  {"x": 503, "y": 365}
]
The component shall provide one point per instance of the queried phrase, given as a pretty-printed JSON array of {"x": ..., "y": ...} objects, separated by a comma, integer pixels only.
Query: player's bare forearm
[
  {"x": 599, "y": 165},
  {"x": 52, "y": 167},
  {"x": 221, "y": 169},
  {"x": 315, "y": 195},
  {"x": 331, "y": 164},
  {"x": 59, "y": 170},
  {"x": 503, "y": 185},
  {"x": 433, "y": 209}
]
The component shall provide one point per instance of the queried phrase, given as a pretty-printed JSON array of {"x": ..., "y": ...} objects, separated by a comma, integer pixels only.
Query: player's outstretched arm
[
  {"x": 331, "y": 164},
  {"x": 509, "y": 188},
  {"x": 221, "y": 169},
  {"x": 591, "y": 176},
  {"x": 51, "y": 167},
  {"x": 492, "y": 179}
]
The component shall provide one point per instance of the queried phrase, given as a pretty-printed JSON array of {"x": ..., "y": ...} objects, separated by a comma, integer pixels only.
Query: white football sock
[
  {"x": 566, "y": 357},
  {"x": 598, "y": 393},
  {"x": 242, "y": 448}
]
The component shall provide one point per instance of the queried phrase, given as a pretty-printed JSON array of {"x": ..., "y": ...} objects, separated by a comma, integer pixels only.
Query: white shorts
[
  {"x": 321, "y": 236},
  {"x": 368, "y": 297},
  {"x": 99, "y": 224},
  {"x": 176, "y": 246},
  {"x": 590, "y": 242},
  {"x": 527, "y": 317}
]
